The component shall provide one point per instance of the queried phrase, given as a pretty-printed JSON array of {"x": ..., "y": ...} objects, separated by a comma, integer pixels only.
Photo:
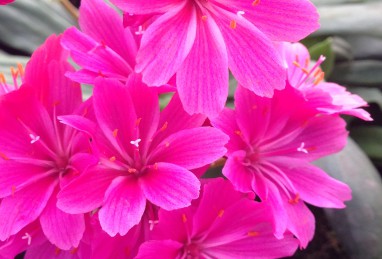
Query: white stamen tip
[
  {"x": 34, "y": 138},
  {"x": 140, "y": 30},
  {"x": 240, "y": 13},
  {"x": 153, "y": 223},
  {"x": 28, "y": 237},
  {"x": 135, "y": 142},
  {"x": 302, "y": 148}
]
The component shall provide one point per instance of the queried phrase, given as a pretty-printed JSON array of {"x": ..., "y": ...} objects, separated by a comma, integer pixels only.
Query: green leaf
[
  {"x": 324, "y": 48},
  {"x": 359, "y": 225}
]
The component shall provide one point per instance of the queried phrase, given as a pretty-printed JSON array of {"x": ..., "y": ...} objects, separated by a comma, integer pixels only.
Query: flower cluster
[{"x": 119, "y": 175}]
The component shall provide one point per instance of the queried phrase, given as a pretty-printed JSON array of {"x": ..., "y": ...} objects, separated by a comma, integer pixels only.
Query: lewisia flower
[
  {"x": 222, "y": 223},
  {"x": 104, "y": 47},
  {"x": 272, "y": 142},
  {"x": 145, "y": 155},
  {"x": 326, "y": 97},
  {"x": 199, "y": 40},
  {"x": 37, "y": 154}
]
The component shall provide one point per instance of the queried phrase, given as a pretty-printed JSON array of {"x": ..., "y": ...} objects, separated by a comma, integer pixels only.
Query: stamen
[
  {"x": 112, "y": 159},
  {"x": 184, "y": 218},
  {"x": 135, "y": 142},
  {"x": 295, "y": 200},
  {"x": 115, "y": 133},
  {"x": 138, "y": 121},
  {"x": 152, "y": 224},
  {"x": 34, "y": 138},
  {"x": 302, "y": 148},
  {"x": 256, "y": 2},
  {"x": 204, "y": 18},
  {"x": 220, "y": 213},
  {"x": 28, "y": 237},
  {"x": 233, "y": 24},
  {"x": 4, "y": 156},
  {"x": 13, "y": 190},
  {"x": 21, "y": 69},
  {"x": 253, "y": 233},
  {"x": 164, "y": 126},
  {"x": 2, "y": 78},
  {"x": 140, "y": 30},
  {"x": 238, "y": 132},
  {"x": 240, "y": 13},
  {"x": 296, "y": 64}
]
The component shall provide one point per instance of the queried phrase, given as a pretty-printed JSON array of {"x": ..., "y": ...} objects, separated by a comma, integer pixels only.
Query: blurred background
[{"x": 351, "y": 39}]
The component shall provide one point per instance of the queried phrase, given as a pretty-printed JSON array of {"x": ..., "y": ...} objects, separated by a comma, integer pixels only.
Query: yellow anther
[
  {"x": 184, "y": 218},
  {"x": 253, "y": 233},
  {"x": 233, "y": 24},
  {"x": 115, "y": 133}
]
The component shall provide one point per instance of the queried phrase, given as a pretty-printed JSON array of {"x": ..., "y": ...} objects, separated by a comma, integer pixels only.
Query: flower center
[{"x": 192, "y": 251}]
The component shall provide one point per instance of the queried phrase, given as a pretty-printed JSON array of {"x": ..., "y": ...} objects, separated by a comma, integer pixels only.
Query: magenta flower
[
  {"x": 4, "y": 2},
  {"x": 329, "y": 98},
  {"x": 199, "y": 40},
  {"x": 222, "y": 223},
  {"x": 104, "y": 47},
  {"x": 271, "y": 144},
  {"x": 145, "y": 155},
  {"x": 17, "y": 77},
  {"x": 39, "y": 155}
]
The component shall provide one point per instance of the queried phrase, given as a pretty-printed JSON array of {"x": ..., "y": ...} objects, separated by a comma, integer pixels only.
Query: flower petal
[
  {"x": 239, "y": 175},
  {"x": 188, "y": 148},
  {"x": 169, "y": 186},
  {"x": 203, "y": 82},
  {"x": 166, "y": 43},
  {"x": 123, "y": 206},
  {"x": 143, "y": 7},
  {"x": 168, "y": 249}
]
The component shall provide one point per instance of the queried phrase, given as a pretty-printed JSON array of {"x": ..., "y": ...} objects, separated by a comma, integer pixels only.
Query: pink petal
[
  {"x": 80, "y": 196},
  {"x": 118, "y": 122},
  {"x": 62, "y": 229},
  {"x": 239, "y": 175},
  {"x": 187, "y": 148},
  {"x": 252, "y": 59},
  {"x": 168, "y": 249},
  {"x": 314, "y": 185},
  {"x": 143, "y": 7},
  {"x": 103, "y": 24},
  {"x": 286, "y": 20},
  {"x": 203, "y": 82},
  {"x": 169, "y": 186},
  {"x": 123, "y": 206},
  {"x": 24, "y": 207},
  {"x": 176, "y": 31}
]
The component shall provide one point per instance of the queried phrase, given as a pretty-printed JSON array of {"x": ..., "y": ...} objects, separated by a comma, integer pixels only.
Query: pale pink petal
[
  {"x": 103, "y": 24},
  {"x": 80, "y": 196},
  {"x": 143, "y": 7},
  {"x": 25, "y": 206},
  {"x": 169, "y": 186},
  {"x": 63, "y": 230},
  {"x": 203, "y": 82},
  {"x": 252, "y": 59},
  {"x": 168, "y": 249},
  {"x": 286, "y": 20},
  {"x": 191, "y": 148},
  {"x": 123, "y": 206},
  {"x": 240, "y": 176},
  {"x": 176, "y": 30}
]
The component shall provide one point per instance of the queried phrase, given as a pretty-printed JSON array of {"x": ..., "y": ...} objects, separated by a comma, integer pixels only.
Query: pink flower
[
  {"x": 222, "y": 223},
  {"x": 104, "y": 47},
  {"x": 17, "y": 77},
  {"x": 199, "y": 40},
  {"x": 329, "y": 98},
  {"x": 37, "y": 154},
  {"x": 145, "y": 155},
  {"x": 4, "y": 2},
  {"x": 271, "y": 144}
]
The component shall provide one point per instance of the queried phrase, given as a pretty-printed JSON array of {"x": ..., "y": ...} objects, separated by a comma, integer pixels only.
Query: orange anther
[
  {"x": 296, "y": 64},
  {"x": 253, "y": 233},
  {"x": 21, "y": 69},
  {"x": 164, "y": 126},
  {"x": 112, "y": 159},
  {"x": 204, "y": 17},
  {"x": 115, "y": 133},
  {"x": 2, "y": 78},
  {"x": 238, "y": 132},
  {"x": 138, "y": 121},
  {"x": 256, "y": 2},
  {"x": 295, "y": 200},
  {"x": 184, "y": 218},
  {"x": 233, "y": 24}
]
